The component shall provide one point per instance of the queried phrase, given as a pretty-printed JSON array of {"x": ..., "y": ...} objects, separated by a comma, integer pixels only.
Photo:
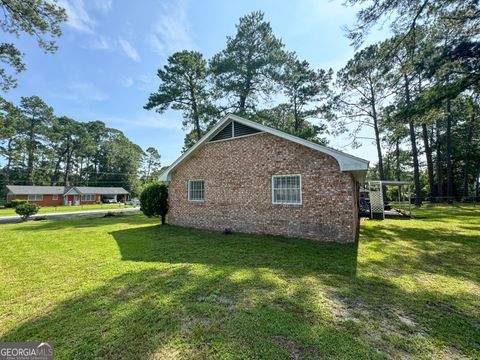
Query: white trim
[
  {"x": 55, "y": 197},
  {"x": 188, "y": 191},
  {"x": 286, "y": 203},
  {"x": 357, "y": 166},
  {"x": 72, "y": 191}
]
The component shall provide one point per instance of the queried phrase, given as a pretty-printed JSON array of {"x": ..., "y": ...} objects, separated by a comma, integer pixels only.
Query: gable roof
[
  {"x": 357, "y": 166},
  {"x": 61, "y": 190},
  {"x": 35, "y": 190},
  {"x": 101, "y": 190}
]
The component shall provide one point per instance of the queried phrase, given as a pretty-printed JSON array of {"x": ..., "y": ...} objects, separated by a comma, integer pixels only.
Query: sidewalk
[{"x": 11, "y": 219}]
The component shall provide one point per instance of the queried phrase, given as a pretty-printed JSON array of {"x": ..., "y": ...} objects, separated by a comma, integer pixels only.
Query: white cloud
[
  {"x": 172, "y": 29},
  {"x": 82, "y": 92},
  {"x": 147, "y": 83},
  {"x": 153, "y": 121},
  {"x": 78, "y": 17},
  {"x": 103, "y": 5},
  {"x": 101, "y": 43},
  {"x": 127, "y": 82},
  {"x": 129, "y": 50}
]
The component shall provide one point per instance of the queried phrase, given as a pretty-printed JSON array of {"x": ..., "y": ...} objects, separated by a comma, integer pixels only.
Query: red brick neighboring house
[
  {"x": 250, "y": 178},
  {"x": 61, "y": 195}
]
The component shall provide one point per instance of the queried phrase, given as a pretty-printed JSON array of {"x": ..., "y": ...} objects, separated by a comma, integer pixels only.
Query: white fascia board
[
  {"x": 165, "y": 176},
  {"x": 73, "y": 191},
  {"x": 346, "y": 162}
]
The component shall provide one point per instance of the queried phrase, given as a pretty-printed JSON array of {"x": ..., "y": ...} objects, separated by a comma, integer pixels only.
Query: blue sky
[{"x": 109, "y": 53}]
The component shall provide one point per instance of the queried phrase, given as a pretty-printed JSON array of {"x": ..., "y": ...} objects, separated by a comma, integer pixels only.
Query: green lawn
[
  {"x": 54, "y": 209},
  {"x": 126, "y": 287}
]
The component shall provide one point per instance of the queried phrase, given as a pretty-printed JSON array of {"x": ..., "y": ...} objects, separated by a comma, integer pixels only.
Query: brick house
[
  {"x": 61, "y": 195},
  {"x": 251, "y": 178}
]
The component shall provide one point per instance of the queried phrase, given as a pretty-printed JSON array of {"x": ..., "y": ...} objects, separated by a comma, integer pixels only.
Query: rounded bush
[
  {"x": 16, "y": 202},
  {"x": 154, "y": 200},
  {"x": 26, "y": 210}
]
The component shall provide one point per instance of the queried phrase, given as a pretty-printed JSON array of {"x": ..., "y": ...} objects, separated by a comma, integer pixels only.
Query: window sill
[{"x": 289, "y": 204}]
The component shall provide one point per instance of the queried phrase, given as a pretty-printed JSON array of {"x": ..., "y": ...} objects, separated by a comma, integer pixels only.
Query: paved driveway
[{"x": 16, "y": 219}]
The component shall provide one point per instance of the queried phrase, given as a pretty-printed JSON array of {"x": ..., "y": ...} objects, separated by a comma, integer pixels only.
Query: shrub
[
  {"x": 17, "y": 202},
  {"x": 154, "y": 200},
  {"x": 26, "y": 210}
]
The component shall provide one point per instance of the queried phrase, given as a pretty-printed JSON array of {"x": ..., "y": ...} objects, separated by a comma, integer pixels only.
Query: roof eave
[{"x": 347, "y": 162}]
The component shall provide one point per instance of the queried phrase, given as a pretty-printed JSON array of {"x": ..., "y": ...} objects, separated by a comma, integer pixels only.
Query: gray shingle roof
[
  {"x": 31, "y": 190},
  {"x": 101, "y": 190},
  {"x": 60, "y": 190}
]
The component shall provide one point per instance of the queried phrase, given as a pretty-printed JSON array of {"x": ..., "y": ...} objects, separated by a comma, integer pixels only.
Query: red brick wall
[
  {"x": 47, "y": 200},
  {"x": 97, "y": 198},
  {"x": 238, "y": 190}
]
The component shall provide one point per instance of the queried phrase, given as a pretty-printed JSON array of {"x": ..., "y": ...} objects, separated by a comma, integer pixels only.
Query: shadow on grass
[
  {"x": 176, "y": 245},
  {"x": 436, "y": 251},
  {"x": 267, "y": 297},
  {"x": 90, "y": 221},
  {"x": 182, "y": 312},
  {"x": 179, "y": 313}
]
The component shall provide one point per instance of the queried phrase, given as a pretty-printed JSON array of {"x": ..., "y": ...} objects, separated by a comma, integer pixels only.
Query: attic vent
[
  {"x": 225, "y": 133},
  {"x": 238, "y": 130},
  {"x": 242, "y": 130}
]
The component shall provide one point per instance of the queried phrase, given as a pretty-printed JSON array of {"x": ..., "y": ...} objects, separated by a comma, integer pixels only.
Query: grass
[
  {"x": 129, "y": 288},
  {"x": 53, "y": 209}
]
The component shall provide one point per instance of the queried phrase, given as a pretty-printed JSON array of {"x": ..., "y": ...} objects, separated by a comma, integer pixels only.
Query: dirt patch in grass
[{"x": 296, "y": 350}]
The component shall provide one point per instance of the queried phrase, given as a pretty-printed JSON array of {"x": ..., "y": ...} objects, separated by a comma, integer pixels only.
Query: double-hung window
[
  {"x": 54, "y": 197},
  {"x": 35, "y": 197},
  {"x": 196, "y": 190},
  {"x": 287, "y": 189},
  {"x": 88, "y": 197}
]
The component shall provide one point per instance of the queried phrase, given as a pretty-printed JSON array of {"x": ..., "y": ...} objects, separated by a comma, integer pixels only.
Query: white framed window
[
  {"x": 196, "y": 190},
  {"x": 88, "y": 197},
  {"x": 35, "y": 197},
  {"x": 287, "y": 189},
  {"x": 54, "y": 197}
]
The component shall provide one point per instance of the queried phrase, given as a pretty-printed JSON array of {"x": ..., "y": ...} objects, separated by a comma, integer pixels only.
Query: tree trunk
[
  {"x": 439, "y": 160},
  {"x": 68, "y": 162},
  {"x": 477, "y": 190},
  {"x": 381, "y": 170},
  {"x": 296, "y": 116},
  {"x": 397, "y": 165},
  {"x": 196, "y": 116},
  {"x": 428, "y": 155},
  {"x": 56, "y": 172},
  {"x": 413, "y": 141},
  {"x": 471, "y": 128},
  {"x": 416, "y": 170},
  {"x": 9, "y": 161},
  {"x": 449, "y": 150},
  {"x": 80, "y": 169},
  {"x": 31, "y": 153}
]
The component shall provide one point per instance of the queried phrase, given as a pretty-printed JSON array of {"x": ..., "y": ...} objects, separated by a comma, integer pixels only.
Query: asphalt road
[{"x": 16, "y": 219}]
